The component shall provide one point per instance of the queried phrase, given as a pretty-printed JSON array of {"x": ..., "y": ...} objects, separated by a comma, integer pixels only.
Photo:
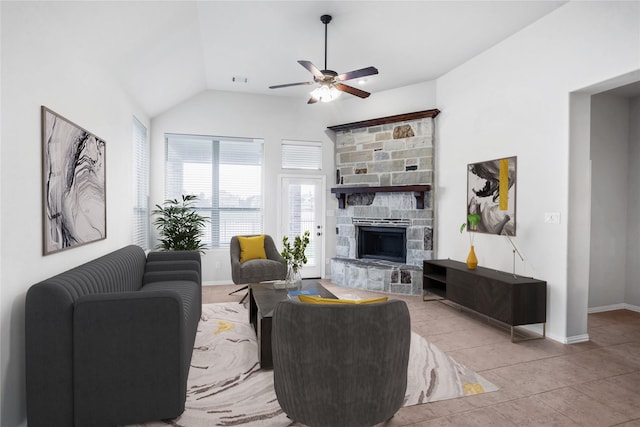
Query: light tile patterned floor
[{"x": 542, "y": 382}]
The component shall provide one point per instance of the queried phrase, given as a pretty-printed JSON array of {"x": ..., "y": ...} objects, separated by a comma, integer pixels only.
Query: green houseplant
[
  {"x": 181, "y": 227},
  {"x": 295, "y": 256}
]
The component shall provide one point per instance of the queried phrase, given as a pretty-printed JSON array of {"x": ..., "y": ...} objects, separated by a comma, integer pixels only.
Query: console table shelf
[{"x": 510, "y": 299}]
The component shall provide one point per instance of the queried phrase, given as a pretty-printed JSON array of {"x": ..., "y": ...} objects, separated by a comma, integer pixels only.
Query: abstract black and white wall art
[
  {"x": 74, "y": 184},
  {"x": 491, "y": 196}
]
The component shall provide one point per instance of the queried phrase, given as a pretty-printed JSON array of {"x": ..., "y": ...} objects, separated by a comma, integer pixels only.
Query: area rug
[{"x": 227, "y": 388}]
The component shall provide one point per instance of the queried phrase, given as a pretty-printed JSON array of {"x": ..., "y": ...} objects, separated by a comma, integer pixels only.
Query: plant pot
[{"x": 472, "y": 260}]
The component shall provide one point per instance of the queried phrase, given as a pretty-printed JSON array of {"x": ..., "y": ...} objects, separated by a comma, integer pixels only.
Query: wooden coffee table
[{"x": 263, "y": 298}]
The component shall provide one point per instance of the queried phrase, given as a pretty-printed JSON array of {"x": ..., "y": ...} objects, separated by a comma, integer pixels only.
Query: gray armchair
[
  {"x": 338, "y": 364},
  {"x": 256, "y": 270}
]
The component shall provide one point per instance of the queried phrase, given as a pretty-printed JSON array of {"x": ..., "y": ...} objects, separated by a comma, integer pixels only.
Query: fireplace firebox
[{"x": 382, "y": 243}]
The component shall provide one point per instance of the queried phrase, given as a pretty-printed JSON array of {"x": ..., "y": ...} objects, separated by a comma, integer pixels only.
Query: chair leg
[
  {"x": 243, "y": 298},
  {"x": 238, "y": 290}
]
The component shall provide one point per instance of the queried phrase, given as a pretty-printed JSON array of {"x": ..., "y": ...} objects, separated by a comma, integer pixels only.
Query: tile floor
[{"x": 542, "y": 382}]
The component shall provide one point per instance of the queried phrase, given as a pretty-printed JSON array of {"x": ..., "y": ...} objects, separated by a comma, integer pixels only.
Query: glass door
[{"x": 301, "y": 209}]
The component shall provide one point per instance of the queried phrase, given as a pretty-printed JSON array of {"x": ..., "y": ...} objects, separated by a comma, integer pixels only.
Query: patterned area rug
[{"x": 227, "y": 388}]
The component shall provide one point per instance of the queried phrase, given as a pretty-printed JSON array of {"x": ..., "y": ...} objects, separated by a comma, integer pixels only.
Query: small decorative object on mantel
[
  {"x": 295, "y": 258},
  {"x": 471, "y": 226}
]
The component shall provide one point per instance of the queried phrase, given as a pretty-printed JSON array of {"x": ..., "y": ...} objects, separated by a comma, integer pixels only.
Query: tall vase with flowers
[
  {"x": 471, "y": 225},
  {"x": 295, "y": 257}
]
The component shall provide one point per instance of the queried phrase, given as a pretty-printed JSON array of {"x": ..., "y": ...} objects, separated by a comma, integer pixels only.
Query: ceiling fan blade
[
  {"x": 290, "y": 84},
  {"x": 352, "y": 90},
  {"x": 363, "y": 72},
  {"x": 312, "y": 68}
]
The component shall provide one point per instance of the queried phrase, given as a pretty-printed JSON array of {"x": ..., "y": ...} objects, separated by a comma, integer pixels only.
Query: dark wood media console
[{"x": 511, "y": 299}]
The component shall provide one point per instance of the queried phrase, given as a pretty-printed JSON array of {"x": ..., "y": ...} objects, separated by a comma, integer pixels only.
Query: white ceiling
[{"x": 165, "y": 52}]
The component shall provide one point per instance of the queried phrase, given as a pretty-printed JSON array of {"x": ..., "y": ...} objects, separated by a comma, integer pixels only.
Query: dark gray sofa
[{"x": 110, "y": 342}]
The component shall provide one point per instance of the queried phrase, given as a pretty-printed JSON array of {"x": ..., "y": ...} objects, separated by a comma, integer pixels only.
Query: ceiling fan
[{"x": 330, "y": 82}]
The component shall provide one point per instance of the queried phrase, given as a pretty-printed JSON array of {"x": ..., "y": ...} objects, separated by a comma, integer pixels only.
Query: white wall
[
  {"x": 39, "y": 67},
  {"x": 514, "y": 100},
  {"x": 632, "y": 290},
  {"x": 609, "y": 194}
]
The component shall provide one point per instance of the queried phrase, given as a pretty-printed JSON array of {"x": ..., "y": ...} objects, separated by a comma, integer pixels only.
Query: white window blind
[
  {"x": 226, "y": 176},
  {"x": 141, "y": 219},
  {"x": 301, "y": 155}
]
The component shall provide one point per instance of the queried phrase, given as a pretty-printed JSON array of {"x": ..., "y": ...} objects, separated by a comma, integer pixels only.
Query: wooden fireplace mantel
[
  {"x": 418, "y": 192},
  {"x": 386, "y": 120}
]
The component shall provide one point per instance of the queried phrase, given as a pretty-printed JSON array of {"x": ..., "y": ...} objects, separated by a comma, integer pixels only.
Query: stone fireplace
[{"x": 384, "y": 173}]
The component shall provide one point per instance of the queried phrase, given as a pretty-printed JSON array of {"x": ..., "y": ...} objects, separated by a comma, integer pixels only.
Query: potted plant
[
  {"x": 295, "y": 257},
  {"x": 472, "y": 220},
  {"x": 181, "y": 227}
]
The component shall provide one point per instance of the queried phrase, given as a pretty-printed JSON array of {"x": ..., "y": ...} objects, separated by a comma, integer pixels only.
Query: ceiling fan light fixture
[
  {"x": 330, "y": 83},
  {"x": 325, "y": 93}
]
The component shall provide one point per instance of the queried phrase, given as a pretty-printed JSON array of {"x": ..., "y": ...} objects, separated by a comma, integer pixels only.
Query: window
[
  {"x": 301, "y": 155},
  {"x": 225, "y": 174},
  {"x": 141, "y": 190}
]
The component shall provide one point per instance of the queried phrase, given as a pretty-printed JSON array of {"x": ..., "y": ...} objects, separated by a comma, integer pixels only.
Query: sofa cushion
[
  {"x": 178, "y": 265},
  {"x": 255, "y": 270},
  {"x": 173, "y": 261}
]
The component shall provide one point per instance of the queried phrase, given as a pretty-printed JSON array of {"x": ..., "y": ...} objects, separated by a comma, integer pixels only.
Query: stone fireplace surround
[{"x": 388, "y": 153}]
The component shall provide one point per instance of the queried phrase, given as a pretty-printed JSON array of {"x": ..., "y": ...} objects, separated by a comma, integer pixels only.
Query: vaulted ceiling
[{"x": 164, "y": 52}]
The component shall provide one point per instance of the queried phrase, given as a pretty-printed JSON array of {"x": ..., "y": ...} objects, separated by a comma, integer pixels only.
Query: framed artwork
[
  {"x": 491, "y": 196},
  {"x": 74, "y": 184}
]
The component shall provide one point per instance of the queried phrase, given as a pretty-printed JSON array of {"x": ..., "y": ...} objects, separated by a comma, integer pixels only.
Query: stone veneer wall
[{"x": 384, "y": 155}]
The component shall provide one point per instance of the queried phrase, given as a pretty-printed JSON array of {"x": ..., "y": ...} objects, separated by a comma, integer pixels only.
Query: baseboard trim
[
  {"x": 577, "y": 339},
  {"x": 621, "y": 306}
]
